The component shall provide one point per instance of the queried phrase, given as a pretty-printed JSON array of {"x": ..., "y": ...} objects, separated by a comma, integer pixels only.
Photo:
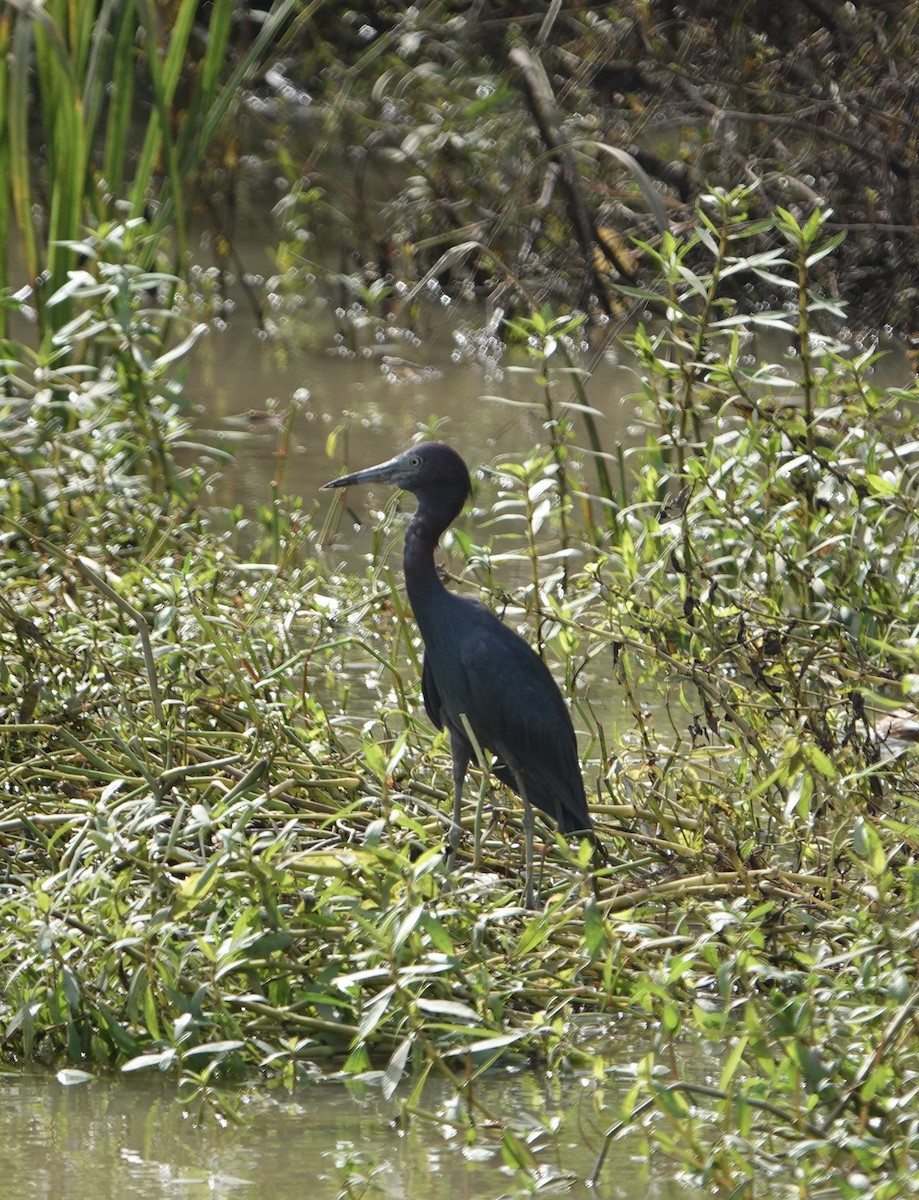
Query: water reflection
[{"x": 128, "y": 1137}]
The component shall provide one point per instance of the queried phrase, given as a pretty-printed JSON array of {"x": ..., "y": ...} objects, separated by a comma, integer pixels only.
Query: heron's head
[{"x": 430, "y": 470}]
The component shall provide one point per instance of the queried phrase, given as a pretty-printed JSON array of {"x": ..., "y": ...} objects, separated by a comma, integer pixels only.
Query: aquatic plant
[{"x": 109, "y": 112}]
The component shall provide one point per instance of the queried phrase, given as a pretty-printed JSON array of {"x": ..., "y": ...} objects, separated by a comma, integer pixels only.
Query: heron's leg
[
  {"x": 529, "y": 895},
  {"x": 476, "y": 750},
  {"x": 460, "y": 753}
]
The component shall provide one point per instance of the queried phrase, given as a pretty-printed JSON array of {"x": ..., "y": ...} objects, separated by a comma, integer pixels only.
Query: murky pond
[
  {"x": 485, "y": 401},
  {"x": 128, "y": 1137},
  {"x": 382, "y": 396}
]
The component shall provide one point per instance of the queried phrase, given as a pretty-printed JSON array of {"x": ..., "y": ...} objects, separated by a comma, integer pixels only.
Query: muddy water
[
  {"x": 128, "y": 1137},
  {"x": 378, "y": 398}
]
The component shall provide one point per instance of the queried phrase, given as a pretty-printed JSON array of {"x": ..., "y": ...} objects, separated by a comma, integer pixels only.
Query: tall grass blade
[
  {"x": 159, "y": 139},
  {"x": 17, "y": 141},
  {"x": 66, "y": 143},
  {"x": 648, "y": 190},
  {"x": 121, "y": 104},
  {"x": 5, "y": 163}
]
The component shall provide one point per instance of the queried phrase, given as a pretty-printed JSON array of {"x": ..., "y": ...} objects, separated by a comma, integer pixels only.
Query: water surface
[
  {"x": 378, "y": 399},
  {"x": 128, "y": 1137}
]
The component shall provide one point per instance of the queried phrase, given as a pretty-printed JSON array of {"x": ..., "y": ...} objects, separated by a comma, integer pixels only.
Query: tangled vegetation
[{"x": 220, "y": 858}]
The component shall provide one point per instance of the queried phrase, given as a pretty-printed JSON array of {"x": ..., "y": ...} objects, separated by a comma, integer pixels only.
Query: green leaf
[
  {"x": 670, "y": 1019},
  {"x": 161, "y": 1060},
  {"x": 449, "y": 1008},
  {"x": 380, "y": 1008},
  {"x": 487, "y": 1045},
  {"x": 195, "y": 887},
  {"x": 395, "y": 1068},
  {"x": 881, "y": 486},
  {"x": 878, "y": 1081},
  {"x": 731, "y": 1063},
  {"x": 72, "y": 989},
  {"x": 515, "y": 1154},
  {"x": 594, "y": 928},
  {"x": 70, "y": 1077},
  {"x": 673, "y": 1102},
  {"x": 536, "y": 933},
  {"x": 407, "y": 926},
  {"x": 212, "y": 1049},
  {"x": 358, "y": 1061},
  {"x": 816, "y": 757}
]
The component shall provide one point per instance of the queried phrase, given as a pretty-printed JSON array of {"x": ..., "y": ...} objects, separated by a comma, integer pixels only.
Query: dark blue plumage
[{"x": 475, "y": 666}]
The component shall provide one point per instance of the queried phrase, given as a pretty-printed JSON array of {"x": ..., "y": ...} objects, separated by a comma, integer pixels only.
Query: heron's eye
[{"x": 415, "y": 460}]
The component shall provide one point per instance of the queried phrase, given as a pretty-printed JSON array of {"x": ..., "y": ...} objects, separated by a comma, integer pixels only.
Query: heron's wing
[
  {"x": 518, "y": 713},
  {"x": 430, "y": 695},
  {"x": 511, "y": 699}
]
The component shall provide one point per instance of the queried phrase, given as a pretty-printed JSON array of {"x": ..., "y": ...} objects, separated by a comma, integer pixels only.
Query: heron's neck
[{"x": 421, "y": 578}]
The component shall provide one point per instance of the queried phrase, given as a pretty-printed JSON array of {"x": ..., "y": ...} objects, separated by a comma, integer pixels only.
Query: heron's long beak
[{"x": 383, "y": 473}]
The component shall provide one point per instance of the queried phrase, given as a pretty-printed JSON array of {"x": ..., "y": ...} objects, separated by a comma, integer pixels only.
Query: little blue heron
[{"x": 478, "y": 670}]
